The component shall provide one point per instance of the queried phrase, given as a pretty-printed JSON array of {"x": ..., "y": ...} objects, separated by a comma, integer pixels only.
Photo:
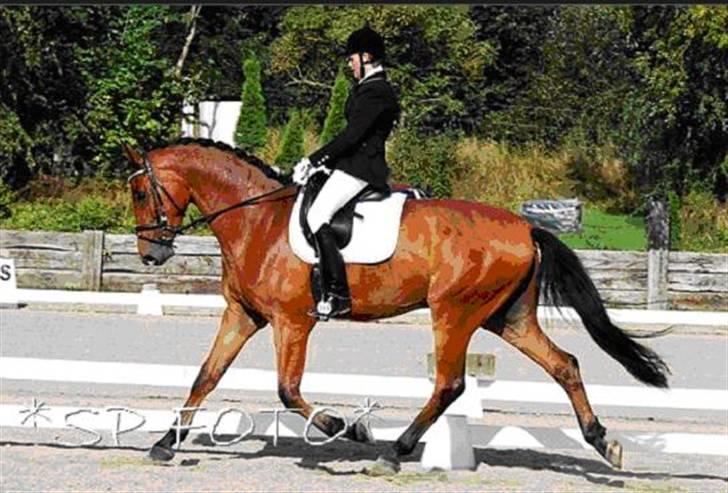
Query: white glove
[
  {"x": 301, "y": 170},
  {"x": 320, "y": 169}
]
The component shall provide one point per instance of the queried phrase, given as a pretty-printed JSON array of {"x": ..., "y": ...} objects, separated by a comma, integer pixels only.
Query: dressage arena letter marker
[{"x": 8, "y": 284}]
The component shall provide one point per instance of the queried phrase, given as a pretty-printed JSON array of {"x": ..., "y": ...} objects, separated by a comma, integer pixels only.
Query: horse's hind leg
[
  {"x": 236, "y": 327},
  {"x": 450, "y": 354},
  {"x": 522, "y": 330},
  {"x": 454, "y": 324}
]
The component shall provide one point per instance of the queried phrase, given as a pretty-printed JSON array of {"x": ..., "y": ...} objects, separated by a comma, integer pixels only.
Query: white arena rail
[{"x": 151, "y": 302}]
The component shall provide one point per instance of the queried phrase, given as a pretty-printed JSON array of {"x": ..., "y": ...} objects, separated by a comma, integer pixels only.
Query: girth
[{"x": 343, "y": 221}]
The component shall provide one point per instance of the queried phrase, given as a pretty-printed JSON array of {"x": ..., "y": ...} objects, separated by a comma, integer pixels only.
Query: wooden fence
[{"x": 96, "y": 261}]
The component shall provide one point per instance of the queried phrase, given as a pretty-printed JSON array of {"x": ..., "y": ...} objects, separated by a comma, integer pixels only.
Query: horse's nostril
[{"x": 149, "y": 260}]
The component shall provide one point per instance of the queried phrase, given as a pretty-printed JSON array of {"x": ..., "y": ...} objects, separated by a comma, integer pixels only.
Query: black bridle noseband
[{"x": 162, "y": 222}]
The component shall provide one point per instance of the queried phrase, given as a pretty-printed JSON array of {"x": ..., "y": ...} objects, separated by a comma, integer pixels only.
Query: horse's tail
[{"x": 564, "y": 281}]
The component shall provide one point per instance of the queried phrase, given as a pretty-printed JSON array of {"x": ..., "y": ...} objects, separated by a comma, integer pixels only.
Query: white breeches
[{"x": 339, "y": 189}]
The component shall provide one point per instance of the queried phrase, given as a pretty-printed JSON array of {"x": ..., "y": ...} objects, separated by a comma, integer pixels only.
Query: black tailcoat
[{"x": 371, "y": 111}]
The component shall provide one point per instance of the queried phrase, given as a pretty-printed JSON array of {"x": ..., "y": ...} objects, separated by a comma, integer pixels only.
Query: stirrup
[{"x": 324, "y": 309}]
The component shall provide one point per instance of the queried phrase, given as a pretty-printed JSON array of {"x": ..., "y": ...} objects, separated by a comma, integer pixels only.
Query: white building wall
[{"x": 217, "y": 120}]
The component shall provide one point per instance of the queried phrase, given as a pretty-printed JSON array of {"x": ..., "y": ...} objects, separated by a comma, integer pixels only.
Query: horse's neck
[{"x": 215, "y": 188}]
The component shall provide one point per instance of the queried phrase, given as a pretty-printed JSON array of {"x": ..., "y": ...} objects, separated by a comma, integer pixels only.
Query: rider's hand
[
  {"x": 320, "y": 169},
  {"x": 301, "y": 170}
]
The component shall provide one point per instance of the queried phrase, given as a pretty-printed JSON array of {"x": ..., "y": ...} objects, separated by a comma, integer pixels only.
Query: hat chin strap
[{"x": 361, "y": 65}]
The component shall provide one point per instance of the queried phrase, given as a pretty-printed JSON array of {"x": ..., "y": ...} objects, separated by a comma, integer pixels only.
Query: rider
[{"x": 356, "y": 156}]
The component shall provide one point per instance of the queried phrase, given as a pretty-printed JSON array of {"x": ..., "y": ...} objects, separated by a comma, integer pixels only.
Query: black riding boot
[{"x": 335, "y": 299}]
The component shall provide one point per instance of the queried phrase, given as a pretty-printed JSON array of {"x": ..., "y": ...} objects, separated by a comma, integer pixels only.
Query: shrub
[
  {"x": 7, "y": 198},
  {"x": 91, "y": 212},
  {"x": 291, "y": 149},
  {"x": 422, "y": 160},
  {"x": 503, "y": 176},
  {"x": 704, "y": 223},
  {"x": 335, "y": 120},
  {"x": 251, "y": 127},
  {"x": 272, "y": 143},
  {"x": 598, "y": 174},
  {"x": 15, "y": 146}
]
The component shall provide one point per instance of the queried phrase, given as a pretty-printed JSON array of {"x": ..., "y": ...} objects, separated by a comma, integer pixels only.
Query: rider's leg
[{"x": 338, "y": 190}]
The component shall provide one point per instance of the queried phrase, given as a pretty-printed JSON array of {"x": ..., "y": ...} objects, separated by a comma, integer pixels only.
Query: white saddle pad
[{"x": 373, "y": 237}]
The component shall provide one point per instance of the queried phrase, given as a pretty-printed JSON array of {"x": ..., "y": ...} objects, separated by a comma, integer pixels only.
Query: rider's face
[{"x": 355, "y": 66}]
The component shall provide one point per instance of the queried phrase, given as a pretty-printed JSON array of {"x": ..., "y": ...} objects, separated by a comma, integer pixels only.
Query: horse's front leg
[
  {"x": 235, "y": 329},
  {"x": 291, "y": 340}
]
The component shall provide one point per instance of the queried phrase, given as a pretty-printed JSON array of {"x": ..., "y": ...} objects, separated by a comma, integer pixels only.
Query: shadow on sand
[{"x": 320, "y": 458}]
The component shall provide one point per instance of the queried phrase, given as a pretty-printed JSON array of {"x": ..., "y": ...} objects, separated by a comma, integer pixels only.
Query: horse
[{"x": 475, "y": 266}]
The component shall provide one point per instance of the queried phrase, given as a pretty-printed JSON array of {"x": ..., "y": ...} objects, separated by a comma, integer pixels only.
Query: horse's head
[{"x": 159, "y": 200}]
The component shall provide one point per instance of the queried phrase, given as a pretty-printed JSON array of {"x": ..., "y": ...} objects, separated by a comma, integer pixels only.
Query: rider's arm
[{"x": 369, "y": 104}]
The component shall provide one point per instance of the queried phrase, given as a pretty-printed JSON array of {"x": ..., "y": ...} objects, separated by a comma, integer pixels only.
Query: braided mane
[{"x": 267, "y": 170}]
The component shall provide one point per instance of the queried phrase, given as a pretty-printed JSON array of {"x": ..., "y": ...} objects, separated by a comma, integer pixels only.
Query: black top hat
[{"x": 366, "y": 40}]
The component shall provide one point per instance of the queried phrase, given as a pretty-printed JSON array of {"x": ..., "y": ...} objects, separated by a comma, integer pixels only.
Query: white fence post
[
  {"x": 449, "y": 445},
  {"x": 150, "y": 301}
]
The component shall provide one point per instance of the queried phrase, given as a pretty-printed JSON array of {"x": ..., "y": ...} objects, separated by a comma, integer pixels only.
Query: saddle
[
  {"x": 343, "y": 221},
  {"x": 366, "y": 229}
]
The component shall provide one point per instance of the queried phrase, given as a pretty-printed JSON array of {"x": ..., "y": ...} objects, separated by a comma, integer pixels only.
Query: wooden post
[
  {"x": 658, "y": 241},
  {"x": 92, "y": 257},
  {"x": 480, "y": 365}
]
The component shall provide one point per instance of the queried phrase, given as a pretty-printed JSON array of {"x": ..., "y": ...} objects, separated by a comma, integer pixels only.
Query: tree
[
  {"x": 575, "y": 71},
  {"x": 81, "y": 80},
  {"x": 134, "y": 95},
  {"x": 674, "y": 131},
  {"x": 335, "y": 119},
  {"x": 291, "y": 149},
  {"x": 224, "y": 32},
  {"x": 43, "y": 89},
  {"x": 252, "y": 124},
  {"x": 517, "y": 35},
  {"x": 433, "y": 56}
]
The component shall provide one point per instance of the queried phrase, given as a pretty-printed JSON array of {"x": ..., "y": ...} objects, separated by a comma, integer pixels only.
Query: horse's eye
[{"x": 140, "y": 196}]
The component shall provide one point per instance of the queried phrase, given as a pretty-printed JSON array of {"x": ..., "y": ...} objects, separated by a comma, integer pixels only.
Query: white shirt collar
[{"x": 375, "y": 70}]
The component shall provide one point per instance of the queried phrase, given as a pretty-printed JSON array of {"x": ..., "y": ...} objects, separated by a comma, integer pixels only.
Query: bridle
[{"x": 170, "y": 232}]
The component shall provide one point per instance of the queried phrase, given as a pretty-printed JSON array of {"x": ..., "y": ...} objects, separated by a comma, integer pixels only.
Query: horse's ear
[{"x": 133, "y": 155}]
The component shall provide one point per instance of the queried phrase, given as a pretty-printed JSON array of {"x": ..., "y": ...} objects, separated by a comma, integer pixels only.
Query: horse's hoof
[
  {"x": 161, "y": 454},
  {"x": 359, "y": 432},
  {"x": 614, "y": 454},
  {"x": 384, "y": 466}
]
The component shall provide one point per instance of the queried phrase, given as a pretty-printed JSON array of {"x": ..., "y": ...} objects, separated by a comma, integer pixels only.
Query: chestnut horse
[{"x": 473, "y": 265}]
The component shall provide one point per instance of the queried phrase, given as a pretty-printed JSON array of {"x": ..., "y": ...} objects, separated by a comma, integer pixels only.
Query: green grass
[{"x": 604, "y": 231}]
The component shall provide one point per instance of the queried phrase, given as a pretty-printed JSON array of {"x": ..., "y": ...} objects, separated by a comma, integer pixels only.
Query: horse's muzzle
[{"x": 158, "y": 255}]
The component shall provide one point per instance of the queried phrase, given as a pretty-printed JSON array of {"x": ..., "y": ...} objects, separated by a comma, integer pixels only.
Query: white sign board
[
  {"x": 8, "y": 284},
  {"x": 218, "y": 120}
]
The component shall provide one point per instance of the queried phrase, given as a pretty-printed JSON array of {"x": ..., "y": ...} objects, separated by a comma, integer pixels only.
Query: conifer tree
[
  {"x": 291, "y": 149},
  {"x": 251, "y": 128},
  {"x": 335, "y": 119}
]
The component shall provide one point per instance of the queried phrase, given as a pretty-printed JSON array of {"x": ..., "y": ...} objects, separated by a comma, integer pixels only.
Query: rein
[
  {"x": 208, "y": 218},
  {"x": 162, "y": 220}
]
